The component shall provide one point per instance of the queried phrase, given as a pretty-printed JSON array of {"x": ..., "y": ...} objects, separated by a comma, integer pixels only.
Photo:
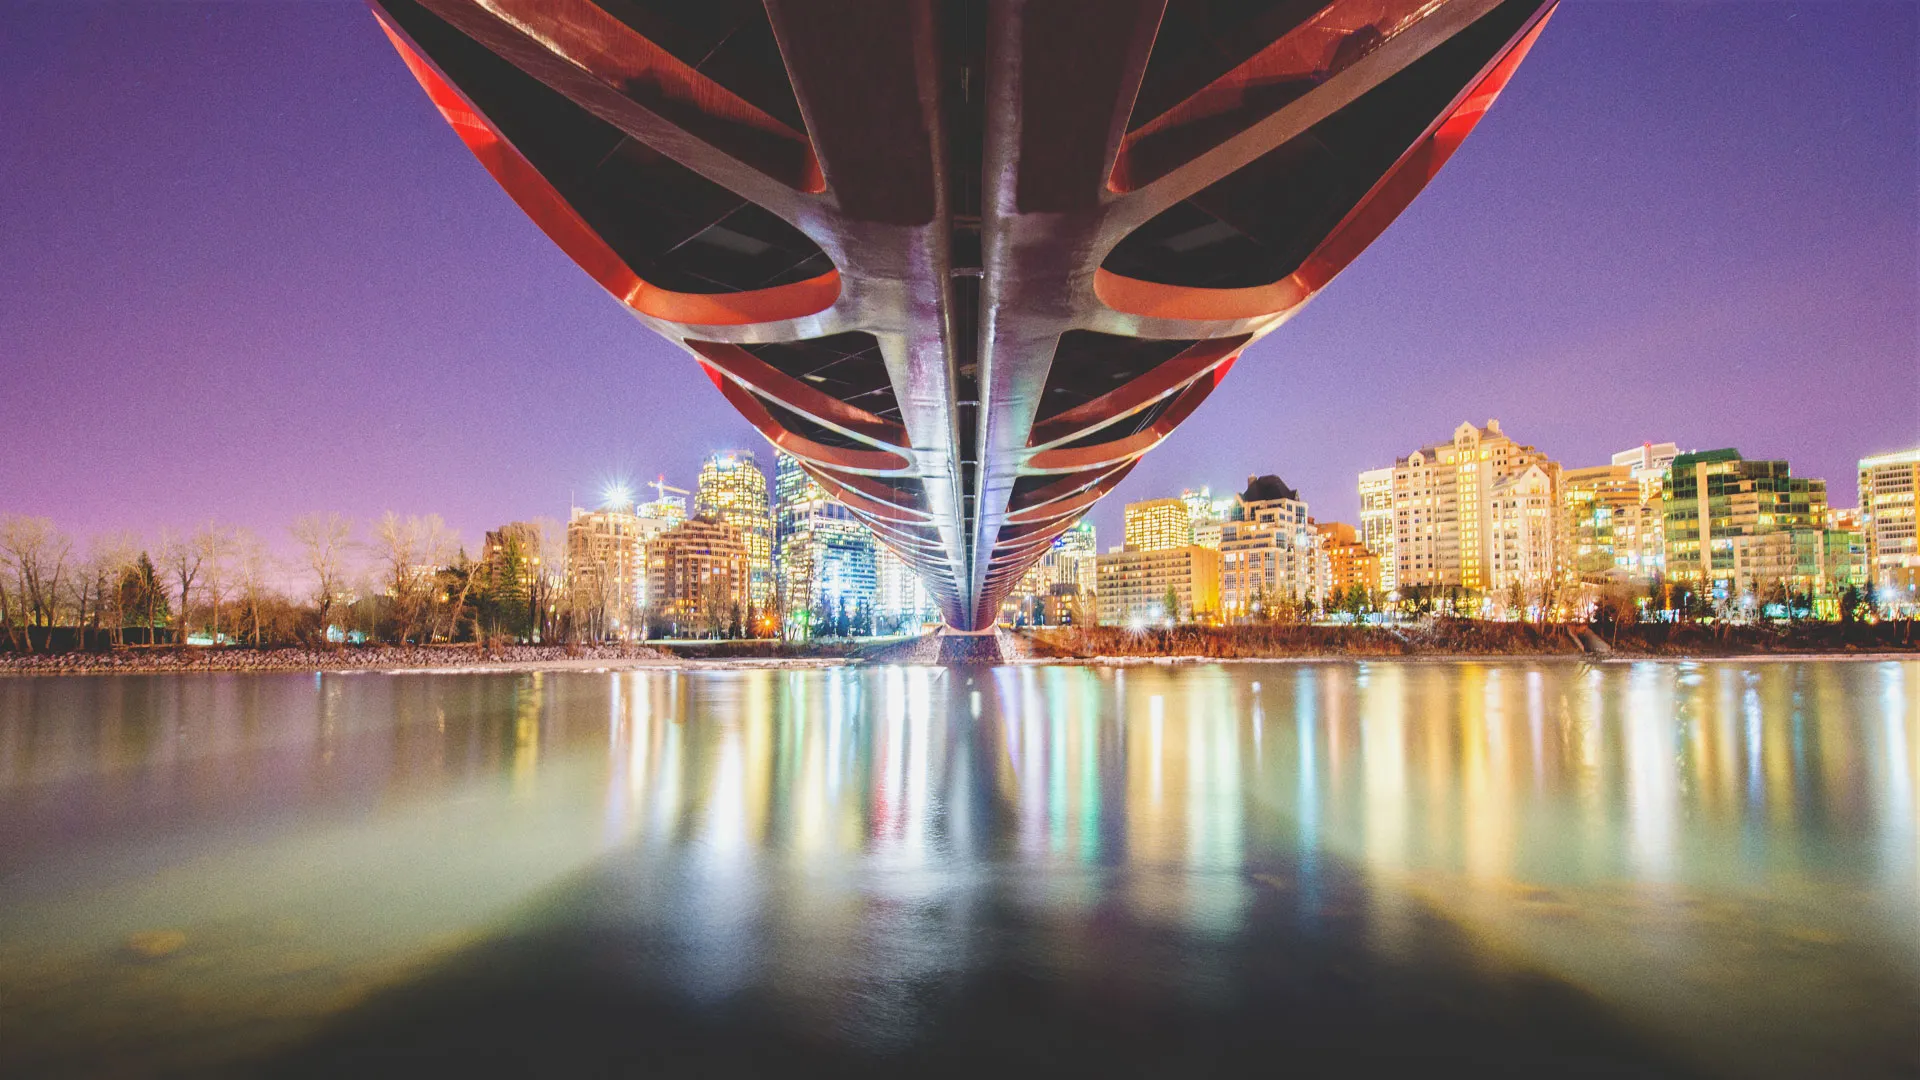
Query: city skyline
[{"x": 304, "y": 323}]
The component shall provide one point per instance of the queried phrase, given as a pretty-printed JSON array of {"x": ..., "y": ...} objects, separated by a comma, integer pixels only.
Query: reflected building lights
[
  {"x": 741, "y": 798},
  {"x": 1652, "y": 778}
]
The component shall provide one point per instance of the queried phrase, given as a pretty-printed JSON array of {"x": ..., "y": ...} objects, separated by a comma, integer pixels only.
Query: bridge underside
[{"x": 966, "y": 260}]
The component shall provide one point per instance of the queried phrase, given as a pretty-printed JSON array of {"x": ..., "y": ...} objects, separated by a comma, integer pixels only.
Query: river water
[{"x": 1541, "y": 867}]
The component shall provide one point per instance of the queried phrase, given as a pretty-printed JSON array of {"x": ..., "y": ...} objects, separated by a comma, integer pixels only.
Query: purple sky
[{"x": 247, "y": 272}]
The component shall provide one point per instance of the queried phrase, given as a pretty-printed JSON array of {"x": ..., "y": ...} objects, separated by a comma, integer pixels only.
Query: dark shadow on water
[{"x": 979, "y": 981}]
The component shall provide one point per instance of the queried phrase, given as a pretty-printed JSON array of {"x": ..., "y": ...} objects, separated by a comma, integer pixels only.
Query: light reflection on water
[{"x": 1723, "y": 853}]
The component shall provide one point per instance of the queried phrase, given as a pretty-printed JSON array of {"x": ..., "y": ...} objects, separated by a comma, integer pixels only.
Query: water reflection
[{"x": 1723, "y": 853}]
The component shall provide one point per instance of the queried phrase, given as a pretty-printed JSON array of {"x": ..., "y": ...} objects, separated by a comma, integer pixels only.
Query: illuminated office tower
[
  {"x": 1376, "y": 521},
  {"x": 1887, "y": 486},
  {"x": 1026, "y": 605},
  {"x": 901, "y": 602},
  {"x": 1077, "y": 572},
  {"x": 824, "y": 558},
  {"x": 1060, "y": 589},
  {"x": 1444, "y": 527},
  {"x": 1715, "y": 498},
  {"x": 1158, "y": 524},
  {"x": 1207, "y": 514},
  {"x": 732, "y": 489}
]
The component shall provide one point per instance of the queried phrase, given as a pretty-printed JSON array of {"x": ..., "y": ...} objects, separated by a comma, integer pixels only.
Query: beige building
[
  {"x": 732, "y": 489},
  {"x": 1647, "y": 465},
  {"x": 1613, "y": 517},
  {"x": 1599, "y": 505},
  {"x": 1447, "y": 528},
  {"x": 1134, "y": 585},
  {"x": 698, "y": 577},
  {"x": 517, "y": 584},
  {"x": 1888, "y": 483},
  {"x": 1269, "y": 551},
  {"x": 606, "y": 571},
  {"x": 512, "y": 551},
  {"x": 1158, "y": 524},
  {"x": 1523, "y": 528}
]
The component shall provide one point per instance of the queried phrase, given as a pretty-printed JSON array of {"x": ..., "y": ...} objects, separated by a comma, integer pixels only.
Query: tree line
[{"x": 400, "y": 579}]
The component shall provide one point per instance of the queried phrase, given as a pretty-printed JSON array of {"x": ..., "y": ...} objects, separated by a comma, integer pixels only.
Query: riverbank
[
  {"x": 1467, "y": 639},
  {"x": 158, "y": 659},
  {"x": 1435, "y": 640}
]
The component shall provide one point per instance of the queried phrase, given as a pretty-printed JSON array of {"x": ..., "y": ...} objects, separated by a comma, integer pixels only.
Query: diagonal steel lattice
[{"x": 966, "y": 261}]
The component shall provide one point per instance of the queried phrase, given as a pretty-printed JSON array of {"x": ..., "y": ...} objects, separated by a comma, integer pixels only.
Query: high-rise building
[
  {"x": 699, "y": 578},
  {"x": 1207, "y": 515},
  {"x": 668, "y": 506},
  {"x": 606, "y": 570},
  {"x": 1350, "y": 563},
  {"x": 510, "y": 583},
  {"x": 1158, "y": 524},
  {"x": 1376, "y": 521},
  {"x": 1077, "y": 574},
  {"x": 1614, "y": 517},
  {"x": 1060, "y": 588},
  {"x": 1158, "y": 585},
  {"x": 1444, "y": 512},
  {"x": 901, "y": 603},
  {"x": 1647, "y": 465},
  {"x": 1888, "y": 483},
  {"x": 1523, "y": 528},
  {"x": 824, "y": 558},
  {"x": 1269, "y": 551},
  {"x": 1026, "y": 604},
  {"x": 1714, "y": 497},
  {"x": 732, "y": 489},
  {"x": 1605, "y": 519},
  {"x": 1796, "y": 565}
]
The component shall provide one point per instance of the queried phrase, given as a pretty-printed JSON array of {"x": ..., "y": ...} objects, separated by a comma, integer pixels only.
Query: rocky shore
[
  {"x": 1468, "y": 638},
  {"x": 345, "y": 658},
  {"x": 1437, "y": 639}
]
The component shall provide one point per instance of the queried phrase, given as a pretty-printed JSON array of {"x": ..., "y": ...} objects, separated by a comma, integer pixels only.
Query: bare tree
[
  {"x": 109, "y": 556},
  {"x": 1547, "y": 590},
  {"x": 325, "y": 540},
  {"x": 218, "y": 545},
  {"x": 36, "y": 555},
  {"x": 411, "y": 550},
  {"x": 253, "y": 568},
  {"x": 180, "y": 560},
  {"x": 549, "y": 573},
  {"x": 117, "y": 554}
]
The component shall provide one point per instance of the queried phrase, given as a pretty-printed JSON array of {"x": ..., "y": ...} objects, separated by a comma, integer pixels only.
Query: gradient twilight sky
[{"x": 247, "y": 272}]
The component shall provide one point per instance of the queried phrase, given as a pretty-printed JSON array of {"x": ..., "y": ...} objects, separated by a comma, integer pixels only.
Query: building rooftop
[
  {"x": 1266, "y": 489},
  {"x": 1695, "y": 457}
]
